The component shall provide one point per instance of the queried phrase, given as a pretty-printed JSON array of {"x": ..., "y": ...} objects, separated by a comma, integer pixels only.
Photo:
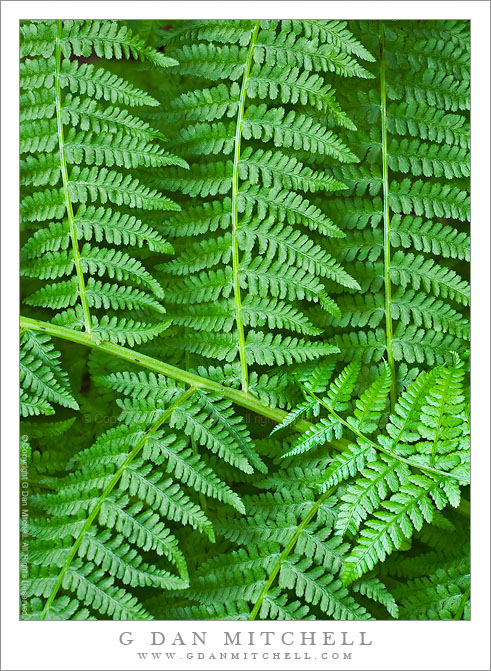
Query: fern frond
[
  {"x": 409, "y": 508},
  {"x": 379, "y": 478},
  {"x": 263, "y": 120},
  {"x": 442, "y": 595},
  {"x": 410, "y": 190},
  {"x": 78, "y": 140},
  {"x": 427, "y": 432},
  {"x": 42, "y": 379},
  {"x": 136, "y": 499}
]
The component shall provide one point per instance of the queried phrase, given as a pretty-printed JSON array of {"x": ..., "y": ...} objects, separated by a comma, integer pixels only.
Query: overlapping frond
[
  {"x": 441, "y": 595},
  {"x": 259, "y": 105},
  {"x": 423, "y": 85},
  {"x": 42, "y": 378},
  {"x": 414, "y": 466},
  {"x": 308, "y": 578},
  {"x": 126, "y": 493},
  {"x": 82, "y": 152}
]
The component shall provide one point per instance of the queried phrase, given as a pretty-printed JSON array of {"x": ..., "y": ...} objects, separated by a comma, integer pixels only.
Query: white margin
[{"x": 396, "y": 645}]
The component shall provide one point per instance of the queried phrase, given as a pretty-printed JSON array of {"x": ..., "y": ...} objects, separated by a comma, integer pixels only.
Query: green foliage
[
  {"x": 443, "y": 595},
  {"x": 417, "y": 463},
  {"x": 121, "y": 493},
  {"x": 425, "y": 88},
  {"x": 263, "y": 123},
  {"x": 42, "y": 378},
  {"x": 245, "y": 298},
  {"x": 82, "y": 150}
]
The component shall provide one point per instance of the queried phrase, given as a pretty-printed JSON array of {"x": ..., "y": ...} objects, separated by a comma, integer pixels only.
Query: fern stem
[
  {"x": 379, "y": 448},
  {"x": 385, "y": 182},
  {"x": 66, "y": 189},
  {"x": 107, "y": 490},
  {"x": 235, "y": 191},
  {"x": 239, "y": 397},
  {"x": 234, "y": 395},
  {"x": 291, "y": 544}
]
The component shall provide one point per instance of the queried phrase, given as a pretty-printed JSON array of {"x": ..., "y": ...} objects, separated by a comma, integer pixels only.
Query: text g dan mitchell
[{"x": 249, "y": 638}]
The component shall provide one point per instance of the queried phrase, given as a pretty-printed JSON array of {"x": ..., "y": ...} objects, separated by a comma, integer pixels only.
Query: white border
[{"x": 396, "y": 645}]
